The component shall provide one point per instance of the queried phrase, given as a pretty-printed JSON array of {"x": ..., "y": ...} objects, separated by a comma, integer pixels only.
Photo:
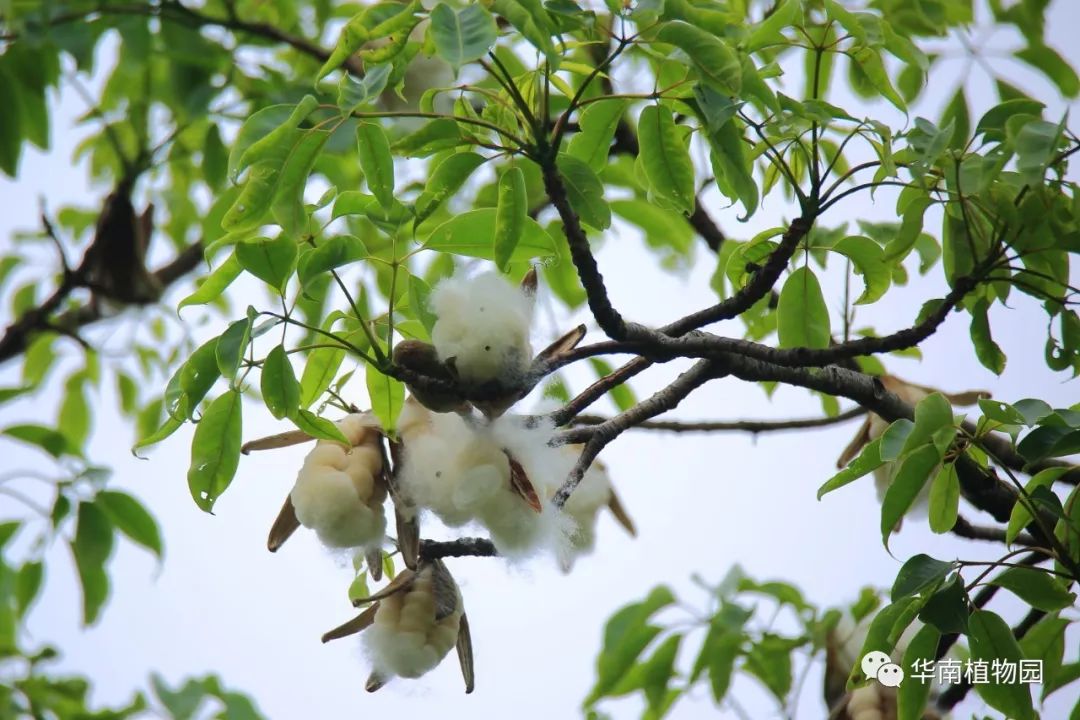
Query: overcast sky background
[{"x": 702, "y": 503}]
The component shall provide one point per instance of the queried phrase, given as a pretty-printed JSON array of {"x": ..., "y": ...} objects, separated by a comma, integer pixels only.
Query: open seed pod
[
  {"x": 411, "y": 625},
  {"x": 339, "y": 491}
]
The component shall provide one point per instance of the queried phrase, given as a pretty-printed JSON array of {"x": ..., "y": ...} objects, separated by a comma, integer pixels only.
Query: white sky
[{"x": 222, "y": 603}]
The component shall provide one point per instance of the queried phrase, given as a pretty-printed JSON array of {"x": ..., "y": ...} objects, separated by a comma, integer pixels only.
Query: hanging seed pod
[
  {"x": 411, "y": 626},
  {"x": 339, "y": 491}
]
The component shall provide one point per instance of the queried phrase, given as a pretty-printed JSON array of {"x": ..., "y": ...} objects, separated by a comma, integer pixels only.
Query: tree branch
[
  {"x": 597, "y": 437},
  {"x": 751, "y": 426},
  {"x": 464, "y": 547},
  {"x": 609, "y": 319},
  {"x": 17, "y": 336}
]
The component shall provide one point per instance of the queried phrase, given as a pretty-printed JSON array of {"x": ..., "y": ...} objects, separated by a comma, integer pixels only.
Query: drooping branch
[{"x": 750, "y": 426}]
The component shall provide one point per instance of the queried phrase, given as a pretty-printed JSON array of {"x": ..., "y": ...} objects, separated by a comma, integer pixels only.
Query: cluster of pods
[{"x": 464, "y": 463}]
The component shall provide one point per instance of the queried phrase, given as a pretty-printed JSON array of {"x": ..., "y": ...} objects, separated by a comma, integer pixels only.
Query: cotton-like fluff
[
  {"x": 339, "y": 492},
  {"x": 583, "y": 505},
  {"x": 463, "y": 474},
  {"x": 415, "y": 628},
  {"x": 482, "y": 326}
]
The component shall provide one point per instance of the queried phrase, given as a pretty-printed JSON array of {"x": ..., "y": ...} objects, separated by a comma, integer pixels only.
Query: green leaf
[
  {"x": 131, "y": 518},
  {"x": 166, "y": 429},
  {"x": 92, "y": 547},
  {"x": 319, "y": 371},
  {"x": 768, "y": 31},
  {"x": 992, "y": 641},
  {"x": 944, "y": 499},
  {"x": 319, "y": 427},
  {"x": 52, "y": 442},
  {"x": 918, "y": 575},
  {"x": 532, "y": 20},
  {"x": 597, "y": 122},
  {"x": 1021, "y": 516},
  {"x": 867, "y": 461},
  {"x": 470, "y": 234},
  {"x": 280, "y": 164},
  {"x": 353, "y": 92},
  {"x": 1055, "y": 67},
  {"x": 510, "y": 216},
  {"x": 659, "y": 669},
  {"x": 464, "y": 35},
  {"x": 1001, "y": 412},
  {"x": 869, "y": 61},
  {"x": 769, "y": 660},
  {"x": 884, "y": 631},
  {"x": 231, "y": 347},
  {"x": 718, "y": 65},
  {"x": 374, "y": 22},
  {"x": 932, "y": 414},
  {"x": 259, "y": 125},
  {"x": 288, "y": 207},
  {"x": 419, "y": 303},
  {"x": 912, "y": 696},
  {"x": 869, "y": 261},
  {"x": 914, "y": 470},
  {"x": 947, "y": 609},
  {"x": 1049, "y": 441},
  {"x": 280, "y": 390},
  {"x": 272, "y": 144},
  {"x": 988, "y": 352},
  {"x": 719, "y": 651},
  {"x": 626, "y": 635},
  {"x": 585, "y": 191},
  {"x": 1035, "y": 587},
  {"x": 445, "y": 180},
  {"x": 27, "y": 585},
  {"x": 732, "y": 166},
  {"x": 377, "y": 162},
  {"x": 802, "y": 315},
  {"x": 992, "y": 123},
  {"x": 330, "y": 255},
  {"x": 214, "y": 284},
  {"x": 74, "y": 418},
  {"x": 387, "y": 397},
  {"x": 272, "y": 261},
  {"x": 665, "y": 158},
  {"x": 11, "y": 131},
  {"x": 215, "y": 159},
  {"x": 215, "y": 450}
]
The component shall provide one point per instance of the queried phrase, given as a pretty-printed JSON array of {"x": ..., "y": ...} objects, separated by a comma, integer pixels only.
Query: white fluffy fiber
[
  {"x": 338, "y": 493},
  {"x": 406, "y": 640},
  {"x": 462, "y": 475},
  {"x": 483, "y": 323}
]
